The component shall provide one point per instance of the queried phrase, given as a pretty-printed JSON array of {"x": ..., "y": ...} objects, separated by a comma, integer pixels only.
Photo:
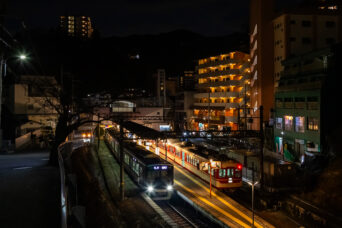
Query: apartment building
[
  {"x": 76, "y": 26},
  {"x": 303, "y": 30},
  {"x": 221, "y": 90}
]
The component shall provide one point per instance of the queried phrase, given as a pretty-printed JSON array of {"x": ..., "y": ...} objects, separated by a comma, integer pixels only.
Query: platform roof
[{"x": 143, "y": 131}]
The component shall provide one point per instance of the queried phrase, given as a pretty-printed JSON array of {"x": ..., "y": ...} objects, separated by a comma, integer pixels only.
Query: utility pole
[
  {"x": 122, "y": 193},
  {"x": 245, "y": 111},
  {"x": 261, "y": 147},
  {"x": 98, "y": 132},
  {"x": 209, "y": 109},
  {"x": 166, "y": 154},
  {"x": 165, "y": 149},
  {"x": 1, "y": 70},
  {"x": 239, "y": 123},
  {"x": 253, "y": 194}
]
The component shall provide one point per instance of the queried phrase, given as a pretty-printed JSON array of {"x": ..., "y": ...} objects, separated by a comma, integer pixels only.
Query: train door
[{"x": 183, "y": 158}]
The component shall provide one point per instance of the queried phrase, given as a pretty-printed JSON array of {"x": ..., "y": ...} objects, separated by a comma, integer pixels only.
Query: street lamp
[
  {"x": 22, "y": 57},
  {"x": 3, "y": 71},
  {"x": 210, "y": 173}
]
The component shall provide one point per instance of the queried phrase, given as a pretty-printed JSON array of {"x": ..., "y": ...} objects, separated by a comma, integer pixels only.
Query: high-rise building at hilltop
[{"x": 76, "y": 26}]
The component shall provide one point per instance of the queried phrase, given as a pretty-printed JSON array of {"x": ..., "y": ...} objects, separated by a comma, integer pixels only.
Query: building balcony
[
  {"x": 213, "y": 119},
  {"x": 219, "y": 83},
  {"x": 233, "y": 119},
  {"x": 217, "y": 105},
  {"x": 216, "y": 94},
  {"x": 219, "y": 73},
  {"x": 218, "y": 63}
]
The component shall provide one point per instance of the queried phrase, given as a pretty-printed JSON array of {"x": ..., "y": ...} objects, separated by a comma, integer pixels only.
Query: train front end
[{"x": 159, "y": 181}]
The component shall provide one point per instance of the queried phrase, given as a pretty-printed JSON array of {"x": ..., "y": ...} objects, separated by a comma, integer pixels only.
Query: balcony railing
[
  {"x": 217, "y": 63},
  {"x": 219, "y": 83},
  {"x": 312, "y": 105},
  {"x": 219, "y": 73},
  {"x": 224, "y": 105},
  {"x": 213, "y": 119},
  {"x": 300, "y": 105},
  {"x": 233, "y": 119},
  {"x": 216, "y": 94}
]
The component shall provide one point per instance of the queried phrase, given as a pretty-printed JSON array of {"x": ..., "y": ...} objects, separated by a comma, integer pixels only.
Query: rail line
[{"x": 179, "y": 218}]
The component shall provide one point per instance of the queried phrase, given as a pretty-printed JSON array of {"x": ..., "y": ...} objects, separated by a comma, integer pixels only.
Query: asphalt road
[{"x": 29, "y": 191}]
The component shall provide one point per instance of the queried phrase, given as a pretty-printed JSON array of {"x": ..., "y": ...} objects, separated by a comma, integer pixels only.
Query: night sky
[{"x": 127, "y": 17}]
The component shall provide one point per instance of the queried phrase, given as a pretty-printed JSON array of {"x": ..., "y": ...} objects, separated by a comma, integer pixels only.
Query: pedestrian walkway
[{"x": 29, "y": 191}]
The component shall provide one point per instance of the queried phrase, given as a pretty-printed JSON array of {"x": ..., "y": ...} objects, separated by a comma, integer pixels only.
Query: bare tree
[{"x": 71, "y": 111}]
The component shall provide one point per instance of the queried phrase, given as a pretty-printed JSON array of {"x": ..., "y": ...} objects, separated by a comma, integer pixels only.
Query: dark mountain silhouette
[{"x": 111, "y": 63}]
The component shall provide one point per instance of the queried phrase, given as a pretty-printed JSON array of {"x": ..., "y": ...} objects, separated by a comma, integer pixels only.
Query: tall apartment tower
[
  {"x": 222, "y": 88},
  {"x": 76, "y": 26},
  {"x": 304, "y": 30},
  {"x": 261, "y": 54}
]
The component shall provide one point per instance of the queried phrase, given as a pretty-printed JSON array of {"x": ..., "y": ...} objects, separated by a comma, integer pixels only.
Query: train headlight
[
  {"x": 169, "y": 187},
  {"x": 150, "y": 188}
]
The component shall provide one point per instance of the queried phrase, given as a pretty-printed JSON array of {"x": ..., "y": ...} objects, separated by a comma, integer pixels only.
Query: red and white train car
[{"x": 226, "y": 173}]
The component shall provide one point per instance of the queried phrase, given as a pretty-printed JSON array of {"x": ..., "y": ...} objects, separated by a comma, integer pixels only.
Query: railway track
[{"x": 179, "y": 218}]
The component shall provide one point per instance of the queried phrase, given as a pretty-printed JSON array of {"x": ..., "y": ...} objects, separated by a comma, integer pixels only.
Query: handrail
[{"x": 64, "y": 201}]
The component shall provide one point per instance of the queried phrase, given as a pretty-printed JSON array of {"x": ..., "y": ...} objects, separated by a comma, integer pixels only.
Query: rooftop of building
[
  {"x": 231, "y": 55},
  {"x": 314, "y": 7}
]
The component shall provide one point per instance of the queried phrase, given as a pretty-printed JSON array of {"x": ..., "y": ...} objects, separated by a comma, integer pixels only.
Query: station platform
[{"x": 219, "y": 206}]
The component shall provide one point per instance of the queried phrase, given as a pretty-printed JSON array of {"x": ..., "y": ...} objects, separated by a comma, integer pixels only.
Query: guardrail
[{"x": 64, "y": 206}]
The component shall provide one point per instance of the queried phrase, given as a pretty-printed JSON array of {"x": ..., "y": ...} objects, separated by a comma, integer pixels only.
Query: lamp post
[
  {"x": 3, "y": 71},
  {"x": 210, "y": 174},
  {"x": 252, "y": 184},
  {"x": 210, "y": 177}
]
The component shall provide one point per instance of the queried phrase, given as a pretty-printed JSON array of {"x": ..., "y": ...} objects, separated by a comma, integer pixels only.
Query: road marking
[
  {"x": 45, "y": 159},
  {"x": 25, "y": 167},
  {"x": 213, "y": 206},
  {"x": 220, "y": 199}
]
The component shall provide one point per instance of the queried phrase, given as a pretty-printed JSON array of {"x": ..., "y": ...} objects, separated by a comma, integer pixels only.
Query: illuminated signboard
[{"x": 164, "y": 167}]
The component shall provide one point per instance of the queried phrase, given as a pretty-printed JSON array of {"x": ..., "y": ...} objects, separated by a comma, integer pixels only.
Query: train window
[
  {"x": 126, "y": 159},
  {"x": 237, "y": 173},
  {"x": 136, "y": 169},
  {"x": 154, "y": 175},
  {"x": 228, "y": 172},
  {"x": 222, "y": 172}
]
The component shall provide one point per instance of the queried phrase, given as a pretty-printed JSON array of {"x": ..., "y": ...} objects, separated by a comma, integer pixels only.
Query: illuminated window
[
  {"x": 279, "y": 123},
  {"x": 288, "y": 123},
  {"x": 313, "y": 123},
  {"x": 300, "y": 124}
]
